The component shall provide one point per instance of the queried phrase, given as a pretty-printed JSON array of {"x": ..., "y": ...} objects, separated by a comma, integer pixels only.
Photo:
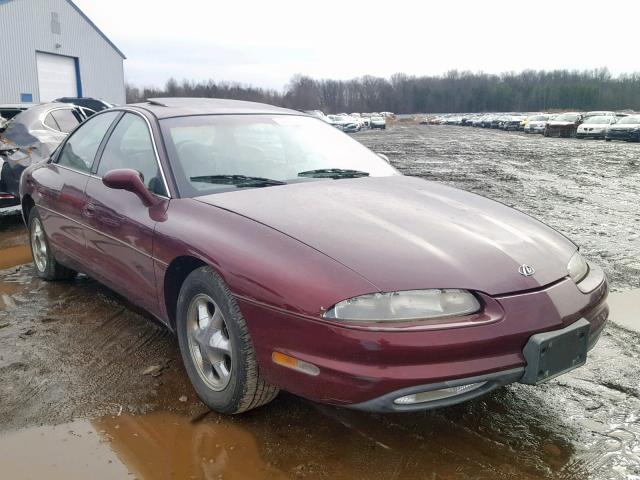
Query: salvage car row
[
  {"x": 353, "y": 122},
  {"x": 607, "y": 125}
]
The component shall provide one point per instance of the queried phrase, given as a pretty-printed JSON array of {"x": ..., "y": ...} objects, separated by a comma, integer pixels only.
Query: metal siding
[{"x": 26, "y": 28}]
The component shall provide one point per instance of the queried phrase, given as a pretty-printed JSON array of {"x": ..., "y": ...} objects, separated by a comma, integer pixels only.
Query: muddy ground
[{"x": 75, "y": 401}]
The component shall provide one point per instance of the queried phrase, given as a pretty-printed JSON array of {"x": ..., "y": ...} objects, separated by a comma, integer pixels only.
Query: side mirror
[
  {"x": 131, "y": 181},
  {"x": 384, "y": 157}
]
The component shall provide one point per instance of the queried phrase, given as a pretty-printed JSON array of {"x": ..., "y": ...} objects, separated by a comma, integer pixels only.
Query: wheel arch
[
  {"x": 27, "y": 204},
  {"x": 175, "y": 275}
]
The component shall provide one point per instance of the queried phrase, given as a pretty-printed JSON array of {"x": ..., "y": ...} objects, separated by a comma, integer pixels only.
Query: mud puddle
[
  {"x": 625, "y": 307},
  {"x": 63, "y": 452}
]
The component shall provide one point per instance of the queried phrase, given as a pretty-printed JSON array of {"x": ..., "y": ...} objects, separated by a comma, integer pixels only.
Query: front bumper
[
  {"x": 590, "y": 134},
  {"x": 369, "y": 369},
  {"x": 623, "y": 135}
]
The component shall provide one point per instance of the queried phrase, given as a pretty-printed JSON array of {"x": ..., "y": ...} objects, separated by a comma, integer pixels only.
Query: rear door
[
  {"x": 60, "y": 197},
  {"x": 121, "y": 228}
]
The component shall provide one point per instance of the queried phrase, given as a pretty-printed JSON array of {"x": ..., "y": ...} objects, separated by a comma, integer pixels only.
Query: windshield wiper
[
  {"x": 334, "y": 173},
  {"x": 237, "y": 180}
]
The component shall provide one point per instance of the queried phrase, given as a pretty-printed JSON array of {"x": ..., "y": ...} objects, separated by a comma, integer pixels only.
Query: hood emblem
[{"x": 526, "y": 270}]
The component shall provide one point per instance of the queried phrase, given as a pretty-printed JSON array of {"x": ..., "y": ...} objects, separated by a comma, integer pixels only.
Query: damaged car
[
  {"x": 563, "y": 125},
  {"x": 287, "y": 255},
  {"x": 30, "y": 137}
]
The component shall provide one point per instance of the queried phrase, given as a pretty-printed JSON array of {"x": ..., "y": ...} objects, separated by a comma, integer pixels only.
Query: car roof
[
  {"x": 17, "y": 105},
  {"x": 181, "y": 107}
]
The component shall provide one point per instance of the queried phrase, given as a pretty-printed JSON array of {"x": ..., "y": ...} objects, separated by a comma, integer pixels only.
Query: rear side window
[
  {"x": 80, "y": 149},
  {"x": 130, "y": 146},
  {"x": 66, "y": 119},
  {"x": 50, "y": 122}
]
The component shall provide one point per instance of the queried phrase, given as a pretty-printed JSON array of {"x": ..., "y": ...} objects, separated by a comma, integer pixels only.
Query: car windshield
[
  {"x": 599, "y": 119},
  {"x": 213, "y": 153},
  {"x": 629, "y": 120},
  {"x": 567, "y": 117}
]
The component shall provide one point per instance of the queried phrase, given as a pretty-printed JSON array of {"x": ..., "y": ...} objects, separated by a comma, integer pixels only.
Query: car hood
[
  {"x": 404, "y": 233},
  {"x": 559, "y": 123},
  {"x": 593, "y": 125},
  {"x": 627, "y": 126}
]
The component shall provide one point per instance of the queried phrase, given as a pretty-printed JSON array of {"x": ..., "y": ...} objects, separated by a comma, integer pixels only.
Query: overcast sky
[{"x": 265, "y": 42}]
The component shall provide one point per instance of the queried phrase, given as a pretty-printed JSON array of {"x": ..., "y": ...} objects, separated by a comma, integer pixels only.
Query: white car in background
[
  {"x": 595, "y": 126},
  {"x": 344, "y": 122},
  {"x": 378, "y": 122},
  {"x": 537, "y": 123}
]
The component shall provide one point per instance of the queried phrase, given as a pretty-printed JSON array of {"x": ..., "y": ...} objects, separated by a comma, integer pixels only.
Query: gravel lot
[{"x": 77, "y": 356}]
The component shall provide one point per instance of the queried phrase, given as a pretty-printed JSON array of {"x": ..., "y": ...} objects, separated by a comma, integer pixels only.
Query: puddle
[
  {"x": 625, "y": 309},
  {"x": 14, "y": 256},
  {"x": 169, "y": 446},
  {"x": 64, "y": 452},
  {"x": 7, "y": 291}
]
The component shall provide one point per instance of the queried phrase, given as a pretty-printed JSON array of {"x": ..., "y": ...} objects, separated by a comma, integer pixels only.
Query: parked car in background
[
  {"x": 563, "y": 125},
  {"x": 595, "y": 126},
  {"x": 602, "y": 113},
  {"x": 94, "y": 104},
  {"x": 626, "y": 128},
  {"x": 316, "y": 268},
  {"x": 378, "y": 122},
  {"x": 318, "y": 114},
  {"x": 537, "y": 123},
  {"x": 344, "y": 123},
  {"x": 30, "y": 137},
  {"x": 512, "y": 122}
]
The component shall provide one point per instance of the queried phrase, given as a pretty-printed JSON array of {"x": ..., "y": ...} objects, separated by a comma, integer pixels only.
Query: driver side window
[
  {"x": 130, "y": 146},
  {"x": 80, "y": 149}
]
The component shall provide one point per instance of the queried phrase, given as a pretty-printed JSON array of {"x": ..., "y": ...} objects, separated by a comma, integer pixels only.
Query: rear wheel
[
  {"x": 216, "y": 347},
  {"x": 46, "y": 264}
]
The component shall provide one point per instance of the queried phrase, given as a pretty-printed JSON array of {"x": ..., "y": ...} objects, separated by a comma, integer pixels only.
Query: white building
[{"x": 50, "y": 49}]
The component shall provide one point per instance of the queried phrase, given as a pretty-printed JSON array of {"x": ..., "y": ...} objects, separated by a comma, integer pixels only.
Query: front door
[
  {"x": 62, "y": 205},
  {"x": 121, "y": 228}
]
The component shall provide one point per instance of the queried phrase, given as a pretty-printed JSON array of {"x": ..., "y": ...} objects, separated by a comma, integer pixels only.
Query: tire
[
  {"x": 44, "y": 261},
  {"x": 207, "y": 314},
  {"x": 607, "y": 139}
]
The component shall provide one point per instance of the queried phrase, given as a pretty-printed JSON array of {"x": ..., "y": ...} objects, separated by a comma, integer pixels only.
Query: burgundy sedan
[{"x": 286, "y": 255}]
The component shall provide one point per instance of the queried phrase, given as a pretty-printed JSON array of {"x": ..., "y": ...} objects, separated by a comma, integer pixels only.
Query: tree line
[{"x": 526, "y": 91}]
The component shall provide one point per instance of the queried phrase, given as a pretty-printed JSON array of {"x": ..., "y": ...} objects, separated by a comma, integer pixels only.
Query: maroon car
[{"x": 285, "y": 254}]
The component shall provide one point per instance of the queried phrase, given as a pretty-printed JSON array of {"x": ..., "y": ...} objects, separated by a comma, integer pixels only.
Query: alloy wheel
[
  {"x": 209, "y": 343},
  {"x": 38, "y": 245}
]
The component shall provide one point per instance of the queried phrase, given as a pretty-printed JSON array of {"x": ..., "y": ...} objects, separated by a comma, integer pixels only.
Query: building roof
[
  {"x": 88, "y": 20},
  {"x": 185, "y": 106}
]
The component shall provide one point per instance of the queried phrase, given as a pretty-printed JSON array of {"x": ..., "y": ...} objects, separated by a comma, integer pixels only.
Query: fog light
[
  {"x": 438, "y": 394},
  {"x": 295, "y": 364}
]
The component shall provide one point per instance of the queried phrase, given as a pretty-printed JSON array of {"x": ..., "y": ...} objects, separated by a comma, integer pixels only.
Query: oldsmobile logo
[{"x": 526, "y": 270}]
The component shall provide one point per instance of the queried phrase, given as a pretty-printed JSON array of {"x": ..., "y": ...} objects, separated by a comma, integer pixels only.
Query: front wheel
[
  {"x": 46, "y": 264},
  {"x": 216, "y": 348}
]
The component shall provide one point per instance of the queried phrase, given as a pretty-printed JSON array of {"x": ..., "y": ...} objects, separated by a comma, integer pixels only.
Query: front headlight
[
  {"x": 405, "y": 306},
  {"x": 577, "y": 268}
]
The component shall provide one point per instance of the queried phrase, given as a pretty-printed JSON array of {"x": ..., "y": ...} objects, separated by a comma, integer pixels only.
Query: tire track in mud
[{"x": 85, "y": 353}]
